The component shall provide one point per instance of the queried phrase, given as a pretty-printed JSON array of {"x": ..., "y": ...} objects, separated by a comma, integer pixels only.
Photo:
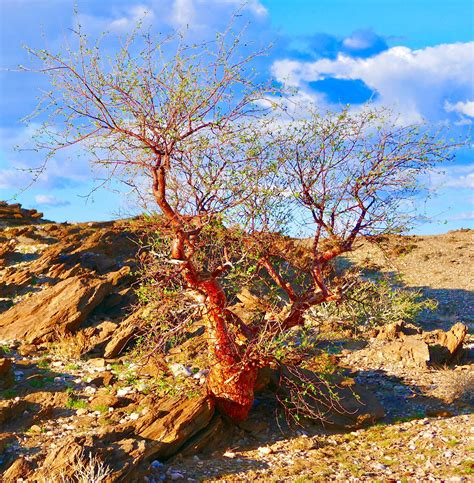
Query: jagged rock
[
  {"x": 396, "y": 329},
  {"x": 61, "y": 462},
  {"x": 210, "y": 439},
  {"x": 11, "y": 409},
  {"x": 15, "y": 215},
  {"x": 103, "y": 379},
  {"x": 55, "y": 311},
  {"x": 405, "y": 344},
  {"x": 27, "y": 350},
  {"x": 6, "y": 374},
  {"x": 19, "y": 470},
  {"x": 183, "y": 419},
  {"x": 7, "y": 249},
  {"x": 411, "y": 350},
  {"x": 446, "y": 346},
  {"x": 121, "y": 338},
  {"x": 340, "y": 404},
  {"x": 106, "y": 400}
]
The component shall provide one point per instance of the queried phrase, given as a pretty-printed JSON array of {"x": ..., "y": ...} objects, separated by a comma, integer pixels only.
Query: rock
[
  {"x": 61, "y": 462},
  {"x": 11, "y": 409},
  {"x": 398, "y": 344},
  {"x": 55, "y": 311},
  {"x": 7, "y": 377},
  {"x": 12, "y": 215},
  {"x": 213, "y": 437},
  {"x": 396, "y": 329},
  {"x": 167, "y": 434},
  {"x": 106, "y": 400},
  {"x": 411, "y": 350},
  {"x": 446, "y": 346},
  {"x": 19, "y": 470},
  {"x": 103, "y": 379},
  {"x": 121, "y": 338},
  {"x": 27, "y": 350}
]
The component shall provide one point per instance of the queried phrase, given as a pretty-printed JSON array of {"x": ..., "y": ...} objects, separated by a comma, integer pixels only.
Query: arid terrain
[{"x": 74, "y": 383}]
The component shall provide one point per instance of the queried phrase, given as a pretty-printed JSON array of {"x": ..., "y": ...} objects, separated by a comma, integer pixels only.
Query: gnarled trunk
[{"x": 232, "y": 378}]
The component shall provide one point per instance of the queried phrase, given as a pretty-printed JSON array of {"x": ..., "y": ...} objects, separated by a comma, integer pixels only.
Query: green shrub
[{"x": 372, "y": 303}]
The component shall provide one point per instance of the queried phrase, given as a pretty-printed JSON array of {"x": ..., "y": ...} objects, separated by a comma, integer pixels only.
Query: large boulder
[
  {"x": 55, "y": 311},
  {"x": 184, "y": 418},
  {"x": 406, "y": 345},
  {"x": 125, "y": 451}
]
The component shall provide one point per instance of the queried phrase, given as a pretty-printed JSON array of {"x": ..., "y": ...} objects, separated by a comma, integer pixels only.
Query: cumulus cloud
[
  {"x": 49, "y": 200},
  {"x": 416, "y": 83},
  {"x": 20, "y": 162},
  {"x": 466, "y": 108}
]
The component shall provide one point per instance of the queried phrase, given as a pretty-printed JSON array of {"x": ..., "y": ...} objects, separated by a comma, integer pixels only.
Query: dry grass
[{"x": 70, "y": 347}]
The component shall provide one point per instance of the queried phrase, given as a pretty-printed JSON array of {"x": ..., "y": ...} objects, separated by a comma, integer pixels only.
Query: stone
[
  {"x": 213, "y": 437},
  {"x": 11, "y": 409},
  {"x": 395, "y": 330},
  {"x": 20, "y": 470},
  {"x": 411, "y": 350},
  {"x": 105, "y": 378},
  {"x": 55, "y": 311},
  {"x": 27, "y": 350},
  {"x": 447, "y": 346},
  {"x": 121, "y": 338},
  {"x": 14, "y": 214},
  {"x": 7, "y": 377},
  {"x": 106, "y": 400},
  {"x": 184, "y": 418}
]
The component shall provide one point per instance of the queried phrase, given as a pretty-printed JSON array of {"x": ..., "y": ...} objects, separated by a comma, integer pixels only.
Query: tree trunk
[{"x": 231, "y": 380}]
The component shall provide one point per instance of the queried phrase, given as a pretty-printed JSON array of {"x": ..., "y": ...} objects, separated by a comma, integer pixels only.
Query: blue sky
[{"x": 415, "y": 56}]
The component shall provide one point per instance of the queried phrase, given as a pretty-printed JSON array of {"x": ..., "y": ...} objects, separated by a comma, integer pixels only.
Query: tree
[
  {"x": 184, "y": 124},
  {"x": 348, "y": 176}
]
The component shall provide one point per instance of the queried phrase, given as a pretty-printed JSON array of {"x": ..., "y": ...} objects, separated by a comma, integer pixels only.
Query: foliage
[
  {"x": 190, "y": 128},
  {"x": 371, "y": 303}
]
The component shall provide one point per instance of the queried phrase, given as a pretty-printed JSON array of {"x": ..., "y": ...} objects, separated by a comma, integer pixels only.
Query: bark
[{"x": 231, "y": 379}]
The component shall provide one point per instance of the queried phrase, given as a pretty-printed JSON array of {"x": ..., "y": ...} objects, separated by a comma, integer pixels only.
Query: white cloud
[
  {"x": 183, "y": 13},
  {"x": 457, "y": 176},
  {"x": 466, "y": 108},
  {"x": 122, "y": 22},
  {"x": 416, "y": 83},
  {"x": 253, "y": 6},
  {"x": 20, "y": 166},
  {"x": 49, "y": 200},
  {"x": 464, "y": 216}
]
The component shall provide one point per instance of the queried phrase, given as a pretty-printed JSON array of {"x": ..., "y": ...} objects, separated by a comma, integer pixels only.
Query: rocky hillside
[{"x": 74, "y": 400}]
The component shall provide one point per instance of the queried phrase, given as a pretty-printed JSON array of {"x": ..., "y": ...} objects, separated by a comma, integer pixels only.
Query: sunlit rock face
[{"x": 14, "y": 214}]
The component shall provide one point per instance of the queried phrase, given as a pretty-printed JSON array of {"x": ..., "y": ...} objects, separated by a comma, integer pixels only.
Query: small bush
[{"x": 372, "y": 303}]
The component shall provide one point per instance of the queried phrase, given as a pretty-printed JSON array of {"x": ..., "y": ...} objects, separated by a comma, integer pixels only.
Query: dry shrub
[
  {"x": 70, "y": 346},
  {"x": 86, "y": 469}
]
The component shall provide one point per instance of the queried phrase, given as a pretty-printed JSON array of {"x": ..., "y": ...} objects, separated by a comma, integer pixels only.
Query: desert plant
[
  {"x": 371, "y": 303},
  {"x": 187, "y": 125}
]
